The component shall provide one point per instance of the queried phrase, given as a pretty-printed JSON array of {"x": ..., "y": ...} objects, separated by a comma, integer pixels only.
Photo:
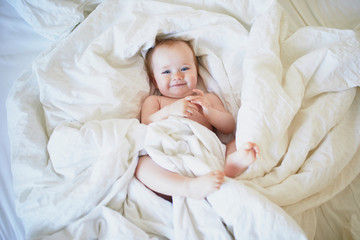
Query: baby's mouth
[{"x": 177, "y": 84}]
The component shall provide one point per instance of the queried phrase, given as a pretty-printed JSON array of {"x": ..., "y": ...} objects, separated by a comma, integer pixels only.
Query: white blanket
[
  {"x": 184, "y": 146},
  {"x": 75, "y": 136}
]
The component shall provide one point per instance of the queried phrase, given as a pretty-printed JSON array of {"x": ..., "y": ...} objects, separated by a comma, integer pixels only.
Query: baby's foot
[
  {"x": 238, "y": 161},
  {"x": 200, "y": 187}
]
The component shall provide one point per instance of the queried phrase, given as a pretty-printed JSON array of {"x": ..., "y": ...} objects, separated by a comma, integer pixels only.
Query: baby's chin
[{"x": 179, "y": 93}]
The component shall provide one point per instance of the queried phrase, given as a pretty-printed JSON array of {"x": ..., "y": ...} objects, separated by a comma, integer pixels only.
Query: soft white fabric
[
  {"x": 75, "y": 138},
  {"x": 186, "y": 147},
  {"x": 305, "y": 113},
  {"x": 342, "y": 14},
  {"x": 16, "y": 52},
  {"x": 54, "y": 19}
]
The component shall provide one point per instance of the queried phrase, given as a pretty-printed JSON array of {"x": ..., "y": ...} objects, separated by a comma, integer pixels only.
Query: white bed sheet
[
  {"x": 20, "y": 45},
  {"x": 341, "y": 14}
]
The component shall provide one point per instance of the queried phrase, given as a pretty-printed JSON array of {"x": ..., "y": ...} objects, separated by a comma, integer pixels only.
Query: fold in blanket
[
  {"x": 186, "y": 147},
  {"x": 74, "y": 132}
]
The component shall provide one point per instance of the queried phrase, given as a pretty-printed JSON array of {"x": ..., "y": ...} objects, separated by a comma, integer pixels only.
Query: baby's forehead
[
  {"x": 172, "y": 51},
  {"x": 172, "y": 44}
]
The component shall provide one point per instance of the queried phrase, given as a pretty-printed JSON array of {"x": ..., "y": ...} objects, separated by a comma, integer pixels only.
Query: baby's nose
[{"x": 177, "y": 76}]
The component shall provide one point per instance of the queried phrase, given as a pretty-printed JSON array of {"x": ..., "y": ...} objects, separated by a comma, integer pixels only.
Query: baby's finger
[
  {"x": 193, "y": 106},
  {"x": 198, "y": 101},
  {"x": 189, "y": 111},
  {"x": 190, "y": 98}
]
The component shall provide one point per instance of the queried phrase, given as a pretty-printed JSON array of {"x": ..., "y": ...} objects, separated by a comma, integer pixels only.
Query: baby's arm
[
  {"x": 151, "y": 109},
  {"x": 214, "y": 111}
]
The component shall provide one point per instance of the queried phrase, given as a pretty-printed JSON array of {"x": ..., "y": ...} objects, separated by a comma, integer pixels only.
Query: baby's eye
[
  {"x": 166, "y": 72},
  {"x": 184, "y": 69}
]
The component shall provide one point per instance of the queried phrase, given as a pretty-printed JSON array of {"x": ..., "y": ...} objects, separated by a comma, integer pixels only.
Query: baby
[{"x": 173, "y": 69}]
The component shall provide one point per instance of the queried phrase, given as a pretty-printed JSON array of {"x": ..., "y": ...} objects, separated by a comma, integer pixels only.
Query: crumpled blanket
[
  {"x": 75, "y": 135},
  {"x": 186, "y": 147}
]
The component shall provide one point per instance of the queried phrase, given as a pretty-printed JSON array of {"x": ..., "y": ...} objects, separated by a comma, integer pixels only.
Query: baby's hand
[
  {"x": 182, "y": 108},
  {"x": 200, "y": 100}
]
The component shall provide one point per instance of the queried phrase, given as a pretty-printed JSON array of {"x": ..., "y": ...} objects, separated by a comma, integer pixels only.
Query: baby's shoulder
[
  {"x": 212, "y": 96},
  {"x": 160, "y": 101},
  {"x": 151, "y": 99}
]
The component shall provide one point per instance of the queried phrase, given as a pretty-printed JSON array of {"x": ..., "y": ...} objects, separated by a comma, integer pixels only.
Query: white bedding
[
  {"x": 16, "y": 53},
  {"x": 299, "y": 101},
  {"x": 183, "y": 146}
]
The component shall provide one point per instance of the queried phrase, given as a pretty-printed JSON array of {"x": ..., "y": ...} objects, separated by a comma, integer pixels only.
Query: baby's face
[{"x": 174, "y": 70}]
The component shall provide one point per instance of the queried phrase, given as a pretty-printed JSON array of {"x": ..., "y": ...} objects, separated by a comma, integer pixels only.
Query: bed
[{"x": 73, "y": 83}]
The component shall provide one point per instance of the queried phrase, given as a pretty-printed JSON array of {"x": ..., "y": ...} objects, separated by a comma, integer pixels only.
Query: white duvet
[{"x": 75, "y": 135}]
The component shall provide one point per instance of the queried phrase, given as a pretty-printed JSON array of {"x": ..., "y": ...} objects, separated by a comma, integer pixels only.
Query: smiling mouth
[{"x": 178, "y": 85}]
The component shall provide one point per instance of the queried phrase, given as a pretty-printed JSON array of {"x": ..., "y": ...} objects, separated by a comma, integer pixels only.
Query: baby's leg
[
  {"x": 170, "y": 183},
  {"x": 237, "y": 161}
]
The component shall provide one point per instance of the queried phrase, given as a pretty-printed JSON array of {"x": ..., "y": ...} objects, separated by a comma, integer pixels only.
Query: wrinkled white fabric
[
  {"x": 54, "y": 19},
  {"x": 186, "y": 147},
  {"x": 75, "y": 136}
]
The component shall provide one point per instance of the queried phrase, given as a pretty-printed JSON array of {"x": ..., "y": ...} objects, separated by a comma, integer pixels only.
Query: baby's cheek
[{"x": 193, "y": 82}]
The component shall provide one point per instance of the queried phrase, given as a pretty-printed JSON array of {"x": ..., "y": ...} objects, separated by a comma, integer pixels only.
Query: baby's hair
[{"x": 165, "y": 42}]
